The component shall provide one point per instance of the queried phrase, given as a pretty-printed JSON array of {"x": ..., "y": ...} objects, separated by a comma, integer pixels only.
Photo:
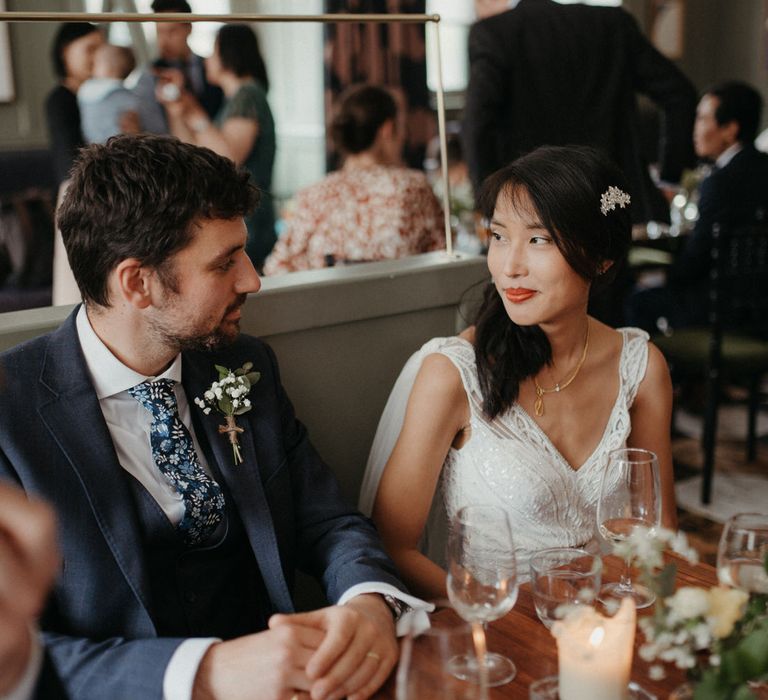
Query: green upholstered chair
[{"x": 734, "y": 345}]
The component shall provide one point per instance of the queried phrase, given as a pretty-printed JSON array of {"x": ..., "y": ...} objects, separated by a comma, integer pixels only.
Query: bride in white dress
[{"x": 521, "y": 409}]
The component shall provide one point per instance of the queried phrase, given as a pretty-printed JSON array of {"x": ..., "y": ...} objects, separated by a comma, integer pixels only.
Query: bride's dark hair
[{"x": 565, "y": 185}]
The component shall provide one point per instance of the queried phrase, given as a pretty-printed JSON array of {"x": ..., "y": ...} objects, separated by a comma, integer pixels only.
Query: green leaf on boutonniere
[{"x": 229, "y": 396}]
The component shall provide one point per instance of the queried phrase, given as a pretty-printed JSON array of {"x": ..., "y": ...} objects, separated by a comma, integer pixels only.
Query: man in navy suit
[
  {"x": 734, "y": 193},
  {"x": 168, "y": 545}
]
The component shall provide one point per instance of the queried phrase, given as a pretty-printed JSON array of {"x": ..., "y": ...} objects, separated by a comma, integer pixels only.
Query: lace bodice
[{"x": 509, "y": 461}]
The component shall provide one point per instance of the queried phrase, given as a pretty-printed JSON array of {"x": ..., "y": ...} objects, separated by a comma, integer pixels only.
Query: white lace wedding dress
[{"x": 510, "y": 461}]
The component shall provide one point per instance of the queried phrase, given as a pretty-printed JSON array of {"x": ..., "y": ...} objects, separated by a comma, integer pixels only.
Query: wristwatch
[{"x": 397, "y": 606}]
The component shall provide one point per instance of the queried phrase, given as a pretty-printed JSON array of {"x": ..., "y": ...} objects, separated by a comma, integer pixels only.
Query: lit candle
[{"x": 595, "y": 653}]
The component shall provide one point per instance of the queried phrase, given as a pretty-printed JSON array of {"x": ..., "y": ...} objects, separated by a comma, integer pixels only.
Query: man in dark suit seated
[
  {"x": 29, "y": 560},
  {"x": 169, "y": 543},
  {"x": 734, "y": 193}
]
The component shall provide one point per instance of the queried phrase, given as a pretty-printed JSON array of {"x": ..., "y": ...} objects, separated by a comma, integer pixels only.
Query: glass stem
[
  {"x": 478, "y": 637},
  {"x": 626, "y": 578}
]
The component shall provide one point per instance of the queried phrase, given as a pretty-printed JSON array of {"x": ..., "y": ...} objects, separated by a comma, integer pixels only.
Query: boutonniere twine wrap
[{"x": 229, "y": 396}]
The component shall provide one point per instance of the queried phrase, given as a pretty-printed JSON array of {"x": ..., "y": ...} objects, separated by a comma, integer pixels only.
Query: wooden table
[{"x": 521, "y": 636}]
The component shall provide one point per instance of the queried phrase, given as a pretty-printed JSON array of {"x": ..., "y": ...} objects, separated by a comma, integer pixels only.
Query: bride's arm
[
  {"x": 651, "y": 417},
  {"x": 437, "y": 411}
]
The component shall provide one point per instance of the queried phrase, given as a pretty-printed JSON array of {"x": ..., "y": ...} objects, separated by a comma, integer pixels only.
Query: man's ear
[
  {"x": 604, "y": 266},
  {"x": 130, "y": 281}
]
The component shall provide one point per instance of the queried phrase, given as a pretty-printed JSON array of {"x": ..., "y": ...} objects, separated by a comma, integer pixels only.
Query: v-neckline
[{"x": 527, "y": 416}]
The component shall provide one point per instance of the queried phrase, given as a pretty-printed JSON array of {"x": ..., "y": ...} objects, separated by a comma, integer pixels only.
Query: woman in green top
[{"x": 242, "y": 130}]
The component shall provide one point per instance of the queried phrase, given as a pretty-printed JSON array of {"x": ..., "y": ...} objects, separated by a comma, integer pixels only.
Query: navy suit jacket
[
  {"x": 54, "y": 442},
  {"x": 550, "y": 74},
  {"x": 734, "y": 195}
]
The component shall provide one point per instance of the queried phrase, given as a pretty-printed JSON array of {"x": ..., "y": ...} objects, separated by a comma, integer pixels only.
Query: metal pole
[
  {"x": 443, "y": 145},
  {"x": 96, "y": 17}
]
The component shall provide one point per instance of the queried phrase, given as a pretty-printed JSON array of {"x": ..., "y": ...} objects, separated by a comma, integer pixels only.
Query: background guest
[
  {"x": 371, "y": 209},
  {"x": 243, "y": 129},
  {"x": 545, "y": 73},
  {"x": 735, "y": 192},
  {"x": 73, "y": 48},
  {"x": 107, "y": 107},
  {"x": 29, "y": 560},
  {"x": 175, "y": 55}
]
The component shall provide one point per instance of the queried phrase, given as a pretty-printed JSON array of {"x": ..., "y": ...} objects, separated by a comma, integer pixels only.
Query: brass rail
[{"x": 185, "y": 17}]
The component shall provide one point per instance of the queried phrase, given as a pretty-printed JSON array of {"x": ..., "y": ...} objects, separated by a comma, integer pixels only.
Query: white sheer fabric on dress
[
  {"x": 510, "y": 461},
  {"x": 434, "y": 538}
]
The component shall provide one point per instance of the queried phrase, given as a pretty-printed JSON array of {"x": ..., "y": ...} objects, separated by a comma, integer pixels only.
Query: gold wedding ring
[{"x": 374, "y": 655}]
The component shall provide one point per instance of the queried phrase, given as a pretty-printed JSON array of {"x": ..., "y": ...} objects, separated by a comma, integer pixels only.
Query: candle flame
[{"x": 597, "y": 636}]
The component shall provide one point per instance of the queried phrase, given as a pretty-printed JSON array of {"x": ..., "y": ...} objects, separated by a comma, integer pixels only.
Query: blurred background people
[
  {"x": 243, "y": 129},
  {"x": 106, "y": 106},
  {"x": 373, "y": 208},
  {"x": 545, "y": 73},
  {"x": 734, "y": 193},
  {"x": 29, "y": 560},
  {"x": 72, "y": 52},
  {"x": 175, "y": 55}
]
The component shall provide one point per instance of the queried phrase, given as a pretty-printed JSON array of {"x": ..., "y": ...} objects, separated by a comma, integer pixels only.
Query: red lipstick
[{"x": 517, "y": 295}]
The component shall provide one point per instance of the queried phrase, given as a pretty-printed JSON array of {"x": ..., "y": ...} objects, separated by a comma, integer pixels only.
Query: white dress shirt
[
  {"x": 727, "y": 155},
  {"x": 129, "y": 423}
]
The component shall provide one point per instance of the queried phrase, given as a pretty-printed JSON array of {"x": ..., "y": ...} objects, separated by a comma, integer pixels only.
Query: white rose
[{"x": 726, "y": 607}]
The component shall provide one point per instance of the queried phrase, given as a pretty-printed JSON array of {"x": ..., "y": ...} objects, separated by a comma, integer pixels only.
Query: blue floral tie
[{"x": 175, "y": 457}]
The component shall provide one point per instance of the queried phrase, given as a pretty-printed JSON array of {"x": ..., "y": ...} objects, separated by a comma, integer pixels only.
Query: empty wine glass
[
  {"x": 629, "y": 498},
  {"x": 562, "y": 577},
  {"x": 425, "y": 669},
  {"x": 743, "y": 552},
  {"x": 482, "y": 585}
]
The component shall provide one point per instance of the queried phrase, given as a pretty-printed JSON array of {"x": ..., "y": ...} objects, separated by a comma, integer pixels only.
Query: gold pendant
[{"x": 538, "y": 405}]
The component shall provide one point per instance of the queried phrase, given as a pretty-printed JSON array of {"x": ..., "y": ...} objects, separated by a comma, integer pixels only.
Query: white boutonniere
[{"x": 229, "y": 396}]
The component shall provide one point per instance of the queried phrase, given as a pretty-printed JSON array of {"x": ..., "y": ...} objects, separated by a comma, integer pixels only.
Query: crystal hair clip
[{"x": 611, "y": 197}]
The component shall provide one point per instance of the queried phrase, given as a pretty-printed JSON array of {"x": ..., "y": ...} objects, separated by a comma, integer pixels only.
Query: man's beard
[{"x": 218, "y": 338}]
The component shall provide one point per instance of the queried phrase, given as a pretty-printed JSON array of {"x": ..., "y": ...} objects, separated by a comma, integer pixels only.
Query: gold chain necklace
[{"x": 538, "y": 405}]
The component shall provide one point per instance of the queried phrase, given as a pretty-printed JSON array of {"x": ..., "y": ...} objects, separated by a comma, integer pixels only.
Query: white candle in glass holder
[{"x": 595, "y": 653}]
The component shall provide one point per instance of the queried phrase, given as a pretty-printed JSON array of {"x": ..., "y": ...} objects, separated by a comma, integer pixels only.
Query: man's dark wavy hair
[
  {"x": 741, "y": 103},
  {"x": 140, "y": 197},
  {"x": 564, "y": 184}
]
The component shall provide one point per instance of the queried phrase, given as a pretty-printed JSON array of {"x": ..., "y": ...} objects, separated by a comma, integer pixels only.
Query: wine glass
[
  {"x": 743, "y": 551},
  {"x": 482, "y": 586},
  {"x": 629, "y": 498},
  {"x": 562, "y": 577},
  {"x": 425, "y": 669}
]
